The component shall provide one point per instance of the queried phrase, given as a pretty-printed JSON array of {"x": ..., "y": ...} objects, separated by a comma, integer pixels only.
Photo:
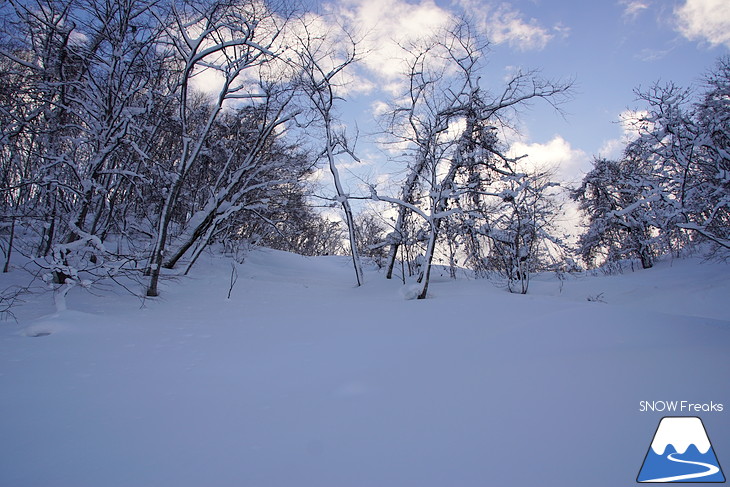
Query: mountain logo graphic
[{"x": 680, "y": 452}]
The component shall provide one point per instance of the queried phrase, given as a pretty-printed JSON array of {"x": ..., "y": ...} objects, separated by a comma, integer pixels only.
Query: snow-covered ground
[{"x": 302, "y": 379}]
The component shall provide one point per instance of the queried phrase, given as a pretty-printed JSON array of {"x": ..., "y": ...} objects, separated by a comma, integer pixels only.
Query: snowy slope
[{"x": 303, "y": 379}]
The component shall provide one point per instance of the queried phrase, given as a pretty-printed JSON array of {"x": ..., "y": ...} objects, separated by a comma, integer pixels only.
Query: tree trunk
[
  {"x": 343, "y": 200},
  {"x": 430, "y": 249},
  {"x": 6, "y": 268},
  {"x": 198, "y": 232},
  {"x": 159, "y": 249},
  {"x": 647, "y": 261},
  {"x": 407, "y": 196}
]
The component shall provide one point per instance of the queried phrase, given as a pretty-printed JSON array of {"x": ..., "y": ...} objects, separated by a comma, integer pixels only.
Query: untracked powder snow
[{"x": 303, "y": 379}]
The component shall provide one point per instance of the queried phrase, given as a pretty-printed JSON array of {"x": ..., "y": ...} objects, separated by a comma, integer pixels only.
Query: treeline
[
  {"x": 115, "y": 162},
  {"x": 670, "y": 190}
]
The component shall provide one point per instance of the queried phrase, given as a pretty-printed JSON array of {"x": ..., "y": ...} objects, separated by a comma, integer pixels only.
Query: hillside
[{"x": 300, "y": 378}]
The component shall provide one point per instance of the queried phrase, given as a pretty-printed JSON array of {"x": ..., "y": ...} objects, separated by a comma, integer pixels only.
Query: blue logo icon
[{"x": 680, "y": 452}]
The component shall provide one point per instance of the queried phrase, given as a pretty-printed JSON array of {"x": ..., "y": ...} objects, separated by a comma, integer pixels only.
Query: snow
[
  {"x": 303, "y": 379},
  {"x": 680, "y": 432}
]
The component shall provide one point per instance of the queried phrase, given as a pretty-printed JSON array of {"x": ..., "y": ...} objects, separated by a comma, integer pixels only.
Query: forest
[{"x": 118, "y": 168}]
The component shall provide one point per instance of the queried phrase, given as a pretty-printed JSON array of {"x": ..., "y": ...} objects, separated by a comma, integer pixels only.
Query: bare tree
[
  {"x": 322, "y": 60},
  {"x": 250, "y": 172},
  {"x": 114, "y": 160},
  {"x": 520, "y": 228},
  {"x": 448, "y": 123},
  {"x": 220, "y": 37},
  {"x": 371, "y": 236},
  {"x": 75, "y": 122}
]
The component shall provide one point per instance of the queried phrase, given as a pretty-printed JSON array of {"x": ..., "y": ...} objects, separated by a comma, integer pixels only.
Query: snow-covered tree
[
  {"x": 709, "y": 200},
  {"x": 521, "y": 230},
  {"x": 83, "y": 72},
  {"x": 619, "y": 203},
  {"x": 371, "y": 236},
  {"x": 110, "y": 151},
  {"x": 244, "y": 168},
  {"x": 448, "y": 123},
  {"x": 229, "y": 40},
  {"x": 671, "y": 188}
]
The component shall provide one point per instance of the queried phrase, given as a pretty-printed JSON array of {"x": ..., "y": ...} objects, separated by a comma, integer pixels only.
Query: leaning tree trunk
[
  {"x": 430, "y": 250},
  {"x": 408, "y": 188}
]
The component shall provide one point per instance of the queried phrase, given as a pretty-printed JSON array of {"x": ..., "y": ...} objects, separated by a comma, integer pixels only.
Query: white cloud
[
  {"x": 208, "y": 81},
  {"x": 504, "y": 24},
  {"x": 632, "y": 123},
  {"x": 386, "y": 25},
  {"x": 394, "y": 148},
  {"x": 705, "y": 20},
  {"x": 612, "y": 148},
  {"x": 558, "y": 153},
  {"x": 634, "y": 8},
  {"x": 562, "y": 30},
  {"x": 569, "y": 163},
  {"x": 379, "y": 108},
  {"x": 649, "y": 55}
]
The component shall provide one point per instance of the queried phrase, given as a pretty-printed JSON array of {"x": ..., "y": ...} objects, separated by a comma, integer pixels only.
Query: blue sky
[{"x": 609, "y": 47}]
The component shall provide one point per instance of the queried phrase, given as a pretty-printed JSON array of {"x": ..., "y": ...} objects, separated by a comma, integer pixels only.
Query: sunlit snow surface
[{"x": 302, "y": 379}]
